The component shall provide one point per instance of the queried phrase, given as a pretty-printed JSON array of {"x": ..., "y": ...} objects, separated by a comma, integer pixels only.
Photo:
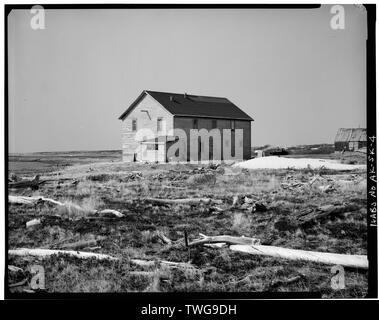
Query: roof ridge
[
  {"x": 188, "y": 94},
  {"x": 196, "y": 105}
]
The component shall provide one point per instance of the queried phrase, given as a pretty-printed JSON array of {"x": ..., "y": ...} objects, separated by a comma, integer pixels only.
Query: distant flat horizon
[{"x": 120, "y": 150}]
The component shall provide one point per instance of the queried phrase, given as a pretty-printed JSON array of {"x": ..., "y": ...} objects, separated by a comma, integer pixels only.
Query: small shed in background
[{"x": 350, "y": 139}]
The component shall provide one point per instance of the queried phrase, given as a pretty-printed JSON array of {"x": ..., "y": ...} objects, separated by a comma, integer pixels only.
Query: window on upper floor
[
  {"x": 214, "y": 124},
  {"x": 159, "y": 124},
  {"x": 134, "y": 125},
  {"x": 233, "y": 124},
  {"x": 195, "y": 124}
]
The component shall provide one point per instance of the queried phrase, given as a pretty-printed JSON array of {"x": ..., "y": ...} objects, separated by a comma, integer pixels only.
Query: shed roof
[
  {"x": 351, "y": 134},
  {"x": 187, "y": 105}
]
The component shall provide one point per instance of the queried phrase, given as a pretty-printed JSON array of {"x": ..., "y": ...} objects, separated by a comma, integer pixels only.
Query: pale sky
[{"x": 288, "y": 69}]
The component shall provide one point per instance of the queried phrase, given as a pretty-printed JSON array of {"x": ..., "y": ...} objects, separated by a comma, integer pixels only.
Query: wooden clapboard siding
[
  {"x": 155, "y": 111},
  {"x": 186, "y": 124},
  {"x": 178, "y": 111}
]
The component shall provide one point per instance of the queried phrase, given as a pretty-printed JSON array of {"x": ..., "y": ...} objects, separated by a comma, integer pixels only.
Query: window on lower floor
[{"x": 152, "y": 147}]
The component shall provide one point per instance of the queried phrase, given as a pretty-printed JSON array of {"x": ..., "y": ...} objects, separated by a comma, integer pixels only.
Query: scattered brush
[{"x": 163, "y": 200}]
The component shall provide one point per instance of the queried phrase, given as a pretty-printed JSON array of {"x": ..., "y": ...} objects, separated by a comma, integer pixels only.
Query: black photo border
[{"x": 174, "y": 298}]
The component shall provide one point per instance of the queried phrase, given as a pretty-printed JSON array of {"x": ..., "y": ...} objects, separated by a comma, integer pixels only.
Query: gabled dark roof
[{"x": 186, "y": 105}]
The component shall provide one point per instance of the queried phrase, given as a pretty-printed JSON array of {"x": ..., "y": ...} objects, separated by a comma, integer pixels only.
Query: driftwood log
[
  {"x": 190, "y": 201},
  {"x": 278, "y": 283},
  {"x": 142, "y": 273},
  {"x": 34, "y": 183},
  {"x": 109, "y": 212},
  {"x": 224, "y": 239},
  {"x": 32, "y": 200},
  {"x": 152, "y": 263},
  {"x": 44, "y": 253},
  {"x": 82, "y": 244},
  {"x": 252, "y": 246},
  {"x": 14, "y": 269},
  {"x": 36, "y": 200},
  {"x": 18, "y": 284},
  {"x": 32, "y": 223},
  {"x": 325, "y": 212},
  {"x": 160, "y": 235},
  {"x": 345, "y": 260}
]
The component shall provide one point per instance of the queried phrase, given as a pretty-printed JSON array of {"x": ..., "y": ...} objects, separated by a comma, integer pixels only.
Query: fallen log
[
  {"x": 143, "y": 263},
  {"x": 13, "y": 178},
  {"x": 35, "y": 200},
  {"x": 292, "y": 186},
  {"x": 314, "y": 179},
  {"x": 32, "y": 200},
  {"x": 18, "y": 284},
  {"x": 94, "y": 248},
  {"x": 110, "y": 212},
  {"x": 216, "y": 245},
  {"x": 14, "y": 269},
  {"x": 142, "y": 273},
  {"x": 278, "y": 283},
  {"x": 163, "y": 238},
  {"x": 345, "y": 260},
  {"x": 33, "y": 223},
  {"x": 324, "y": 212},
  {"x": 152, "y": 263},
  {"x": 44, "y": 253},
  {"x": 327, "y": 188},
  {"x": 190, "y": 201},
  {"x": 177, "y": 264},
  {"x": 225, "y": 239},
  {"x": 34, "y": 183}
]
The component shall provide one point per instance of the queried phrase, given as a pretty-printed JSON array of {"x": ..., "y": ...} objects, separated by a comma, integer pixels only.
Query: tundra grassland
[{"x": 279, "y": 207}]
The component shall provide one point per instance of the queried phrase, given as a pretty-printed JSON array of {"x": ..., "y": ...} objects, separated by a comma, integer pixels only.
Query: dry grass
[
  {"x": 220, "y": 270},
  {"x": 198, "y": 179}
]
